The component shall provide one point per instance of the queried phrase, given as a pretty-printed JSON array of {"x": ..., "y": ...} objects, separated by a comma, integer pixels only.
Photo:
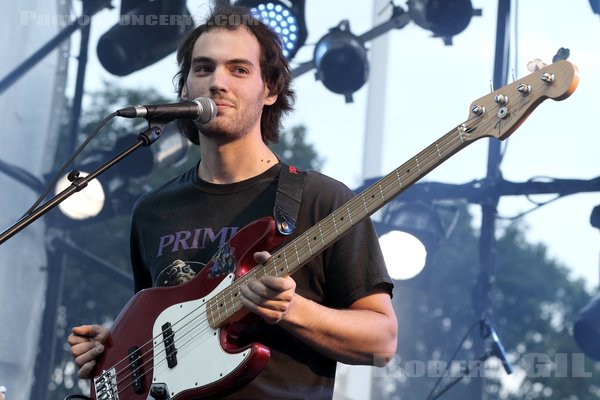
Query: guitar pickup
[
  {"x": 169, "y": 341},
  {"x": 135, "y": 366}
]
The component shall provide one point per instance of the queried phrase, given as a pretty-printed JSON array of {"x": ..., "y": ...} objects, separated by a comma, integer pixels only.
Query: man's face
[{"x": 226, "y": 67}]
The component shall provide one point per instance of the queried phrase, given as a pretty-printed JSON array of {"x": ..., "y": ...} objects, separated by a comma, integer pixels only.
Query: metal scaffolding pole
[{"x": 487, "y": 238}]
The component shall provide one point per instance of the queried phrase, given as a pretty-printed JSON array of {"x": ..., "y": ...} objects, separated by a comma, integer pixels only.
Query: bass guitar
[{"x": 179, "y": 342}]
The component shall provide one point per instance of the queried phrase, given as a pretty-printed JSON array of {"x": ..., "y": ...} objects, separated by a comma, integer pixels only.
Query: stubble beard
[{"x": 229, "y": 128}]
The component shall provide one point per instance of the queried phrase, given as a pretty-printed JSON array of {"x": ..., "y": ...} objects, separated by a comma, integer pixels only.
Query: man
[{"x": 338, "y": 306}]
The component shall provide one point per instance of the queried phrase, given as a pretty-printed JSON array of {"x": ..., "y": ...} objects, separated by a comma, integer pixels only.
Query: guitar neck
[
  {"x": 295, "y": 254},
  {"x": 299, "y": 251}
]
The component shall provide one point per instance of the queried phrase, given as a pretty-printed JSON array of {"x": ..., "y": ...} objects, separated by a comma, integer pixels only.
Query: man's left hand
[{"x": 270, "y": 297}]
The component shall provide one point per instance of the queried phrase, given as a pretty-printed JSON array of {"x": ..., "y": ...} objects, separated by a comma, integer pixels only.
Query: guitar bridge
[{"x": 105, "y": 385}]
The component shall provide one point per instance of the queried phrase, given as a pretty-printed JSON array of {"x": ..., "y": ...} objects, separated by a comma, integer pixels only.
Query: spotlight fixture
[
  {"x": 147, "y": 32},
  {"x": 409, "y": 233},
  {"x": 445, "y": 18},
  {"x": 286, "y": 18},
  {"x": 84, "y": 204},
  {"x": 341, "y": 61}
]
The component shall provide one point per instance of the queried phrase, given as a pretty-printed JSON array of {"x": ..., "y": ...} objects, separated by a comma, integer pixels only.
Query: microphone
[
  {"x": 201, "y": 110},
  {"x": 487, "y": 330}
]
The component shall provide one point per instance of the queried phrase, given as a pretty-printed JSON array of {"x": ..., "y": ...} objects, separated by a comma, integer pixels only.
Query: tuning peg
[
  {"x": 524, "y": 89},
  {"x": 562, "y": 54},
  {"x": 535, "y": 65}
]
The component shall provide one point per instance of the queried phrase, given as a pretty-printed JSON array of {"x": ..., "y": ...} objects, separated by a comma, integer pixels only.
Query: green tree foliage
[
  {"x": 292, "y": 148},
  {"x": 533, "y": 304}
]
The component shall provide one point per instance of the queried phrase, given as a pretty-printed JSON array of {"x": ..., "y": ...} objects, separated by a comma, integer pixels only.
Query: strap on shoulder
[{"x": 288, "y": 197}]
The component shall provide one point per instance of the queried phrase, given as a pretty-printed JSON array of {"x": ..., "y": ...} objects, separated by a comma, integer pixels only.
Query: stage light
[
  {"x": 341, "y": 61},
  {"x": 409, "y": 234},
  {"x": 445, "y": 18},
  {"x": 586, "y": 329},
  {"x": 405, "y": 255},
  {"x": 286, "y": 18},
  {"x": 147, "y": 32},
  {"x": 84, "y": 204}
]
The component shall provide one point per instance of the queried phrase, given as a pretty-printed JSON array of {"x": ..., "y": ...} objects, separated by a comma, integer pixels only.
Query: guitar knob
[{"x": 159, "y": 391}]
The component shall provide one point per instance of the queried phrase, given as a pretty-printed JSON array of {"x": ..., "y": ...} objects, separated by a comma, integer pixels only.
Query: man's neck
[{"x": 234, "y": 161}]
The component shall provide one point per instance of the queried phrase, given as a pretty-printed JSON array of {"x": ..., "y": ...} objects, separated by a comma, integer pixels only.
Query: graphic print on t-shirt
[
  {"x": 178, "y": 272},
  {"x": 196, "y": 238}
]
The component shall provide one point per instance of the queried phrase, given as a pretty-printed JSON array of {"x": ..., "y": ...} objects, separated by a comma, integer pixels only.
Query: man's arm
[{"x": 365, "y": 333}]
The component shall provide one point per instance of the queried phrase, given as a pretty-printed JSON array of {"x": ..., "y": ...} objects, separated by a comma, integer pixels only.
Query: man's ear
[
  {"x": 270, "y": 99},
  {"x": 184, "y": 93}
]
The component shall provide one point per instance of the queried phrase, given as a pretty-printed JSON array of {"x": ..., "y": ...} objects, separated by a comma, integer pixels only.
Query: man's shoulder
[
  {"x": 319, "y": 181},
  {"x": 325, "y": 191}
]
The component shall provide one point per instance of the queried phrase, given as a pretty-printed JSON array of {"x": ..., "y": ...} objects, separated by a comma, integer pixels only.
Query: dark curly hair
[{"x": 273, "y": 64}]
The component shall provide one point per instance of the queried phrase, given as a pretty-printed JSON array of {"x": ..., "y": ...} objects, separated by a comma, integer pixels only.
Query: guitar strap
[{"x": 287, "y": 199}]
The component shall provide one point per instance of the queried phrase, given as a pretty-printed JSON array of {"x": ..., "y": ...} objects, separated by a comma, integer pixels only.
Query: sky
[{"x": 428, "y": 90}]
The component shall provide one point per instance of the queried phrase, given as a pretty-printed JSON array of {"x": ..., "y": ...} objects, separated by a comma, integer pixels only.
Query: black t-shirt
[{"x": 177, "y": 228}]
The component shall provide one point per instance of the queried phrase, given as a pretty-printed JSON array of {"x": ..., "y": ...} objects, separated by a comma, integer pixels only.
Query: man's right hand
[{"x": 87, "y": 343}]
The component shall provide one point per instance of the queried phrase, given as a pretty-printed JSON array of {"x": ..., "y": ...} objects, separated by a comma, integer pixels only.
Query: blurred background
[{"x": 507, "y": 278}]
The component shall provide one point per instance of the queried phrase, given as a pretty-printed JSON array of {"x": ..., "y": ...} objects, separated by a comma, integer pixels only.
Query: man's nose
[{"x": 218, "y": 81}]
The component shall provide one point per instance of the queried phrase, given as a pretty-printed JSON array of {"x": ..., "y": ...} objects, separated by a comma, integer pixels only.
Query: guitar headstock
[{"x": 501, "y": 112}]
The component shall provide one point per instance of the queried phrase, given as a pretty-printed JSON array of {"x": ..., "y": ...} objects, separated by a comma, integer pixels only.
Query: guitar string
[
  {"x": 424, "y": 156},
  {"x": 427, "y": 156},
  {"x": 160, "y": 344},
  {"x": 181, "y": 336},
  {"x": 238, "y": 281},
  {"x": 126, "y": 359}
]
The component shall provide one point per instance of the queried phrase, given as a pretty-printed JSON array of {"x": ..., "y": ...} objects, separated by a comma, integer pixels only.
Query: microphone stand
[
  {"x": 481, "y": 359},
  {"x": 78, "y": 183}
]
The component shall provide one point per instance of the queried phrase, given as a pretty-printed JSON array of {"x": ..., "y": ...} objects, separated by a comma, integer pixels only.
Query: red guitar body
[{"x": 163, "y": 341}]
